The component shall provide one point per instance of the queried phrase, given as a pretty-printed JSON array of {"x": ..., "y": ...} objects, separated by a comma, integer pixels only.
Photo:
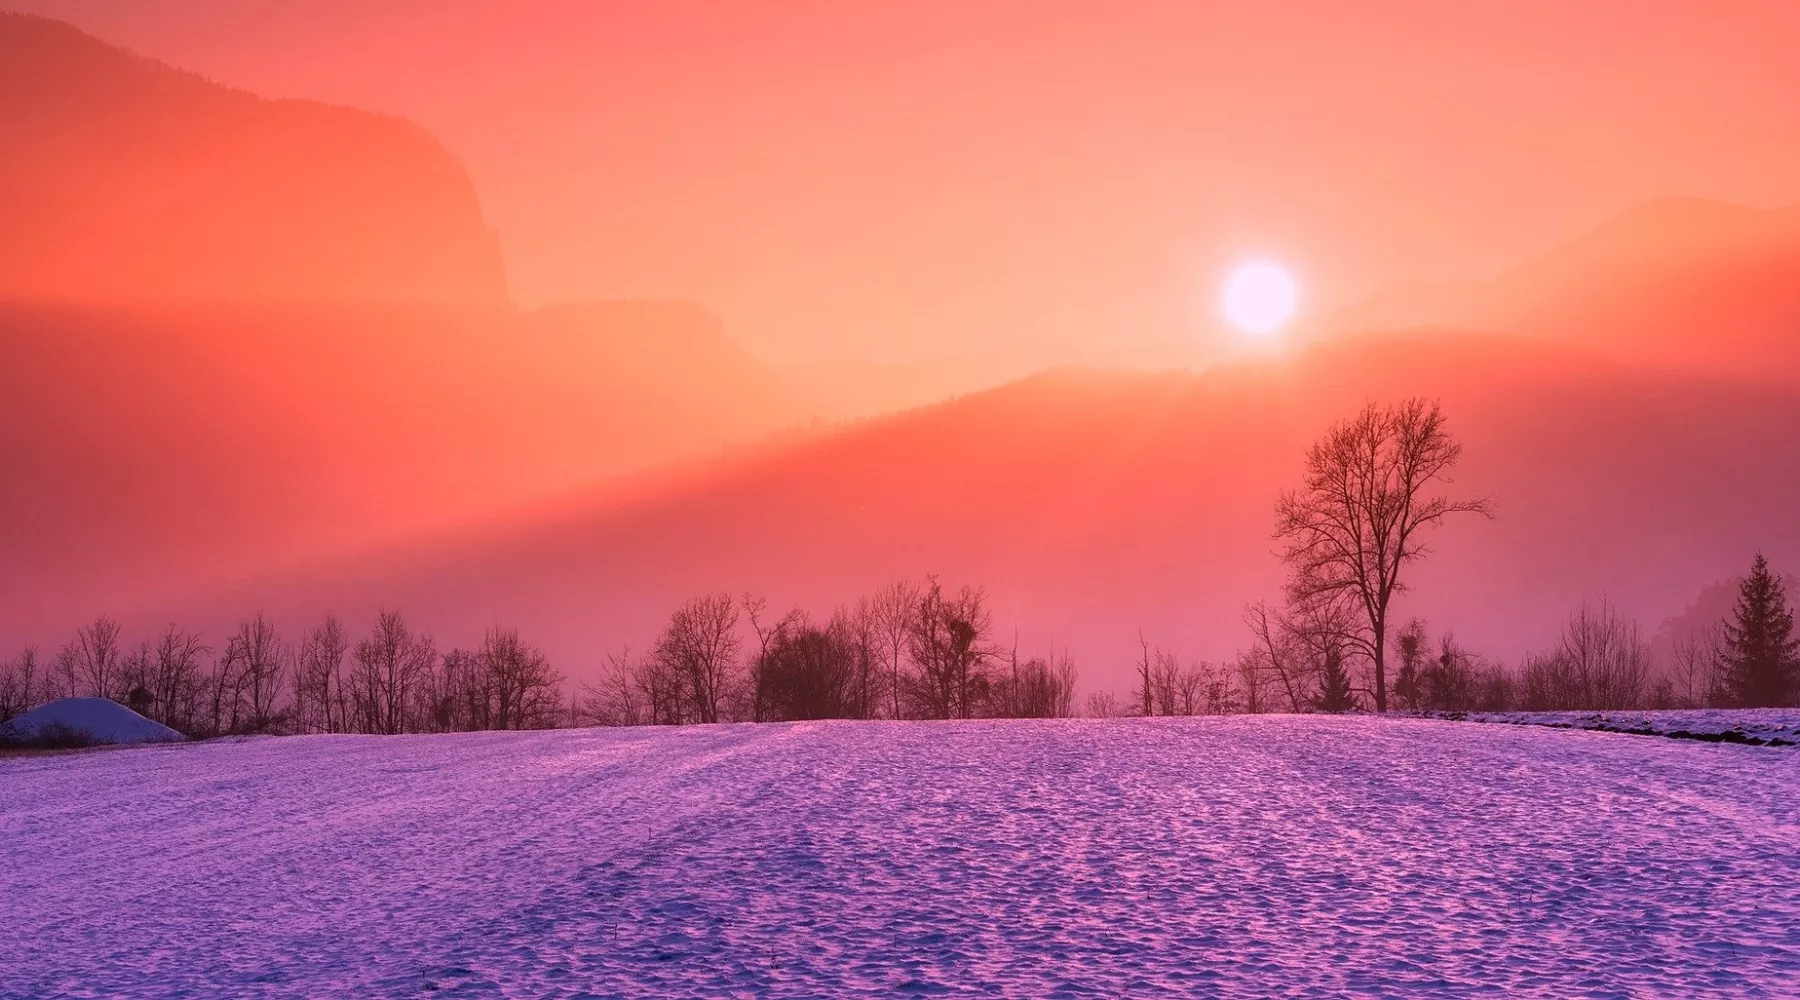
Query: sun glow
[{"x": 1260, "y": 297}]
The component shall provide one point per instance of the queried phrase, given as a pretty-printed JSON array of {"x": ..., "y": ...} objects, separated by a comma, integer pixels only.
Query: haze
[{"x": 559, "y": 314}]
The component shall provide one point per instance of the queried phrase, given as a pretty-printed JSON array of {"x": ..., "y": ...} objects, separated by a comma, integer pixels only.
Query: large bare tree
[{"x": 1351, "y": 530}]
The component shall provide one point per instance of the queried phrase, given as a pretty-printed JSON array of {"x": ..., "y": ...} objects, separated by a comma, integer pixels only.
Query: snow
[
  {"x": 1769, "y": 725},
  {"x": 103, "y": 720},
  {"x": 1168, "y": 857}
]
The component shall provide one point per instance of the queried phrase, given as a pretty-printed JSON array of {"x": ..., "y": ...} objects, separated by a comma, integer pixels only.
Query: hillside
[
  {"x": 126, "y": 179},
  {"x": 1093, "y": 504},
  {"x": 1681, "y": 282},
  {"x": 150, "y": 451}
]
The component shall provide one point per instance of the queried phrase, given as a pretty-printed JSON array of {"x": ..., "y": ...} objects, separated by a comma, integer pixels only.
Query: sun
[{"x": 1260, "y": 297}]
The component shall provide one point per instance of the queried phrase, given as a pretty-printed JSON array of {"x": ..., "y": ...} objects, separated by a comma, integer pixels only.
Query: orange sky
[{"x": 1048, "y": 179}]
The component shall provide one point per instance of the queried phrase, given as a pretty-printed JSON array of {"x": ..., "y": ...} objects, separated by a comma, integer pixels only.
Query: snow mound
[{"x": 101, "y": 719}]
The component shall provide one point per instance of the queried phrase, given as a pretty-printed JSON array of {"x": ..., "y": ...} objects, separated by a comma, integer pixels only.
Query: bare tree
[
  {"x": 1451, "y": 681},
  {"x": 1699, "y": 667},
  {"x": 390, "y": 664},
  {"x": 1034, "y": 689},
  {"x": 175, "y": 680},
  {"x": 893, "y": 608},
  {"x": 258, "y": 657},
  {"x": 97, "y": 657},
  {"x": 1600, "y": 662},
  {"x": 223, "y": 693},
  {"x": 1277, "y": 653},
  {"x": 1167, "y": 687},
  {"x": 700, "y": 645},
  {"x": 65, "y": 672},
  {"x": 1355, "y": 524},
  {"x": 1251, "y": 680},
  {"x": 135, "y": 680},
  {"x": 21, "y": 685},
  {"x": 1146, "y": 673},
  {"x": 766, "y": 632},
  {"x": 616, "y": 699},
  {"x": 320, "y": 702},
  {"x": 858, "y": 629},
  {"x": 526, "y": 692},
  {"x": 1103, "y": 705},
  {"x": 949, "y": 649}
]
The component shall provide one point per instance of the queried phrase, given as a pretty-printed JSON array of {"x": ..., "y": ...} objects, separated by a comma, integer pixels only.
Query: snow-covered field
[
  {"x": 1773, "y": 726},
  {"x": 1237, "y": 856}
]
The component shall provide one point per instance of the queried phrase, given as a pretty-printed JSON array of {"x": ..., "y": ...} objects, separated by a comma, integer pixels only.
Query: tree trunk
[{"x": 1381, "y": 666}]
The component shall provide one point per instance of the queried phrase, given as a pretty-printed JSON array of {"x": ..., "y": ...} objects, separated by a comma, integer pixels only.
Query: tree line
[
  {"x": 912, "y": 650},
  {"x": 393, "y": 679}
]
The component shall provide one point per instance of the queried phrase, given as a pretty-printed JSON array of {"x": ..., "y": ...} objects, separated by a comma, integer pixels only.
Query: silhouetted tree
[
  {"x": 1409, "y": 646},
  {"x": 949, "y": 649},
  {"x": 22, "y": 685},
  {"x": 134, "y": 681},
  {"x": 1251, "y": 681},
  {"x": 1449, "y": 682},
  {"x": 524, "y": 691},
  {"x": 176, "y": 683},
  {"x": 1699, "y": 668},
  {"x": 257, "y": 657},
  {"x": 1355, "y": 524},
  {"x": 97, "y": 656},
  {"x": 1762, "y": 655},
  {"x": 1334, "y": 684},
  {"x": 615, "y": 699},
  {"x": 1103, "y": 705},
  {"x": 858, "y": 629},
  {"x": 1033, "y": 689},
  {"x": 806, "y": 673},
  {"x": 700, "y": 647},
  {"x": 1146, "y": 677},
  {"x": 321, "y": 703},
  {"x": 892, "y": 609},
  {"x": 1600, "y": 662},
  {"x": 390, "y": 665},
  {"x": 1279, "y": 654}
]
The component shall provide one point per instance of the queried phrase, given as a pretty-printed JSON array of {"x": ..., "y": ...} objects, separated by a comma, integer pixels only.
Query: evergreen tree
[
  {"x": 1334, "y": 684},
  {"x": 1760, "y": 647}
]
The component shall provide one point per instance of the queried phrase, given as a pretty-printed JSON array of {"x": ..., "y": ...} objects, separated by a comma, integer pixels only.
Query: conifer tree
[
  {"x": 1334, "y": 684},
  {"x": 1760, "y": 647}
]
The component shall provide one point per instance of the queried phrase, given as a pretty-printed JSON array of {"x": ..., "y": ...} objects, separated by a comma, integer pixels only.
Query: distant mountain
[
  {"x": 123, "y": 179},
  {"x": 1095, "y": 503},
  {"x": 1679, "y": 282},
  {"x": 145, "y": 449}
]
